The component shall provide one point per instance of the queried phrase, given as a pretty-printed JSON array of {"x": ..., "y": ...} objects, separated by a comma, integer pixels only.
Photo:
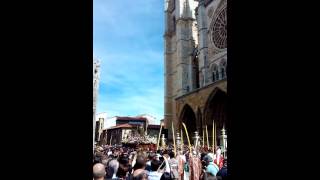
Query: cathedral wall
[
  {"x": 184, "y": 35},
  {"x": 211, "y": 13},
  {"x": 197, "y": 99},
  {"x": 214, "y": 55}
]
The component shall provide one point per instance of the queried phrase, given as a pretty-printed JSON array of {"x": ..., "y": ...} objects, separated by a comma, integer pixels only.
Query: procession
[
  {"x": 192, "y": 161},
  {"x": 160, "y": 90}
]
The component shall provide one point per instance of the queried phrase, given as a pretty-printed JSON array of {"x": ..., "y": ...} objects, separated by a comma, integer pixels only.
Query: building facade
[
  {"x": 151, "y": 119},
  {"x": 100, "y": 126},
  {"x": 129, "y": 129},
  {"x": 195, "y": 41}
]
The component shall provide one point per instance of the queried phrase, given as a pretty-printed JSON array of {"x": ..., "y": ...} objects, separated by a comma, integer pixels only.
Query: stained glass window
[{"x": 219, "y": 30}]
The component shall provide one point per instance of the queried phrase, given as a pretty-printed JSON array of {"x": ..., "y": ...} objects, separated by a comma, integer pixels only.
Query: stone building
[
  {"x": 100, "y": 126},
  {"x": 151, "y": 119},
  {"x": 127, "y": 128},
  {"x": 195, "y": 41},
  {"x": 96, "y": 79}
]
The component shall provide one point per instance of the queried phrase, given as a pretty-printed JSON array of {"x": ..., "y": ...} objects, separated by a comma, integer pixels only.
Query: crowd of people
[{"x": 127, "y": 163}]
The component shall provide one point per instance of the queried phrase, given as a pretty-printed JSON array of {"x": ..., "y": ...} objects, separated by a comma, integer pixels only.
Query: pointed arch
[
  {"x": 216, "y": 110},
  {"x": 199, "y": 121},
  {"x": 214, "y": 70},
  {"x": 223, "y": 68},
  {"x": 188, "y": 117}
]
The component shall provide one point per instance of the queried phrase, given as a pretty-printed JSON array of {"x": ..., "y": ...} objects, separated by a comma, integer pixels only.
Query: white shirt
[
  {"x": 154, "y": 175},
  {"x": 109, "y": 153},
  {"x": 148, "y": 163}
]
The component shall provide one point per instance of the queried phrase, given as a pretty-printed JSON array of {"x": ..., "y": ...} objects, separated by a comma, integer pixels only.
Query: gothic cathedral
[{"x": 195, "y": 56}]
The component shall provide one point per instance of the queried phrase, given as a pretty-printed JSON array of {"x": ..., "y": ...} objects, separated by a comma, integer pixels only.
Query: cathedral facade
[{"x": 195, "y": 41}]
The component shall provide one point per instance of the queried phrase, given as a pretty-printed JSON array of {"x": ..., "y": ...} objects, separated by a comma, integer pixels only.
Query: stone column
[
  {"x": 96, "y": 76},
  {"x": 203, "y": 47}
]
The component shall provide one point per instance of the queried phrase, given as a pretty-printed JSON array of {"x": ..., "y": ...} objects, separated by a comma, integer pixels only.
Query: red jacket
[{"x": 220, "y": 165}]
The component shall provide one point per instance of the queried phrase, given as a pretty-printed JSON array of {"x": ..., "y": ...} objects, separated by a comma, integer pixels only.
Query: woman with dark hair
[
  {"x": 124, "y": 167},
  {"x": 140, "y": 163},
  {"x": 123, "y": 172}
]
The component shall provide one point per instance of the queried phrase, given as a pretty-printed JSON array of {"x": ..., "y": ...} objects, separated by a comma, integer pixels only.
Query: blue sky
[{"x": 128, "y": 41}]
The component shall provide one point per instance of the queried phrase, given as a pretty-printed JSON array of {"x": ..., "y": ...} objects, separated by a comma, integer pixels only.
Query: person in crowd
[
  {"x": 211, "y": 153},
  {"x": 124, "y": 169},
  {"x": 166, "y": 176},
  {"x": 99, "y": 171},
  {"x": 173, "y": 163},
  {"x": 140, "y": 174},
  {"x": 156, "y": 172},
  {"x": 223, "y": 171},
  {"x": 126, "y": 163},
  {"x": 211, "y": 168},
  {"x": 140, "y": 163},
  {"x": 105, "y": 162},
  {"x": 218, "y": 158},
  {"x": 151, "y": 156},
  {"x": 98, "y": 157},
  {"x": 181, "y": 158},
  {"x": 112, "y": 169},
  {"x": 109, "y": 152}
]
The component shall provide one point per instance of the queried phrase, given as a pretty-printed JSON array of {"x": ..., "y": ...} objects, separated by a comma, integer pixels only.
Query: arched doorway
[
  {"x": 216, "y": 110},
  {"x": 200, "y": 123},
  {"x": 188, "y": 117}
]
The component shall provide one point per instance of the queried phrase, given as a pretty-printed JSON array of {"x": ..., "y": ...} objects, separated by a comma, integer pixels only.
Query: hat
[
  {"x": 208, "y": 158},
  {"x": 212, "y": 155}
]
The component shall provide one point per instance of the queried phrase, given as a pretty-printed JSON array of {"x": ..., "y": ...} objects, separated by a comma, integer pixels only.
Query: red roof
[
  {"x": 125, "y": 118},
  {"x": 127, "y": 125}
]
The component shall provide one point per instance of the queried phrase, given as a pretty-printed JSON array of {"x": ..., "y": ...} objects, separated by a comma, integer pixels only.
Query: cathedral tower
[
  {"x": 180, "y": 41},
  {"x": 196, "y": 66}
]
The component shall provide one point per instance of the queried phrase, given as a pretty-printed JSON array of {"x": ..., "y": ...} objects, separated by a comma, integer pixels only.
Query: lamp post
[
  {"x": 163, "y": 141},
  {"x": 223, "y": 139},
  {"x": 178, "y": 141},
  {"x": 196, "y": 139}
]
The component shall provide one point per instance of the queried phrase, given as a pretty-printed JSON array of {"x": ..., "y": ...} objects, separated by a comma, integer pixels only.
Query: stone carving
[
  {"x": 210, "y": 12},
  {"x": 218, "y": 30}
]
